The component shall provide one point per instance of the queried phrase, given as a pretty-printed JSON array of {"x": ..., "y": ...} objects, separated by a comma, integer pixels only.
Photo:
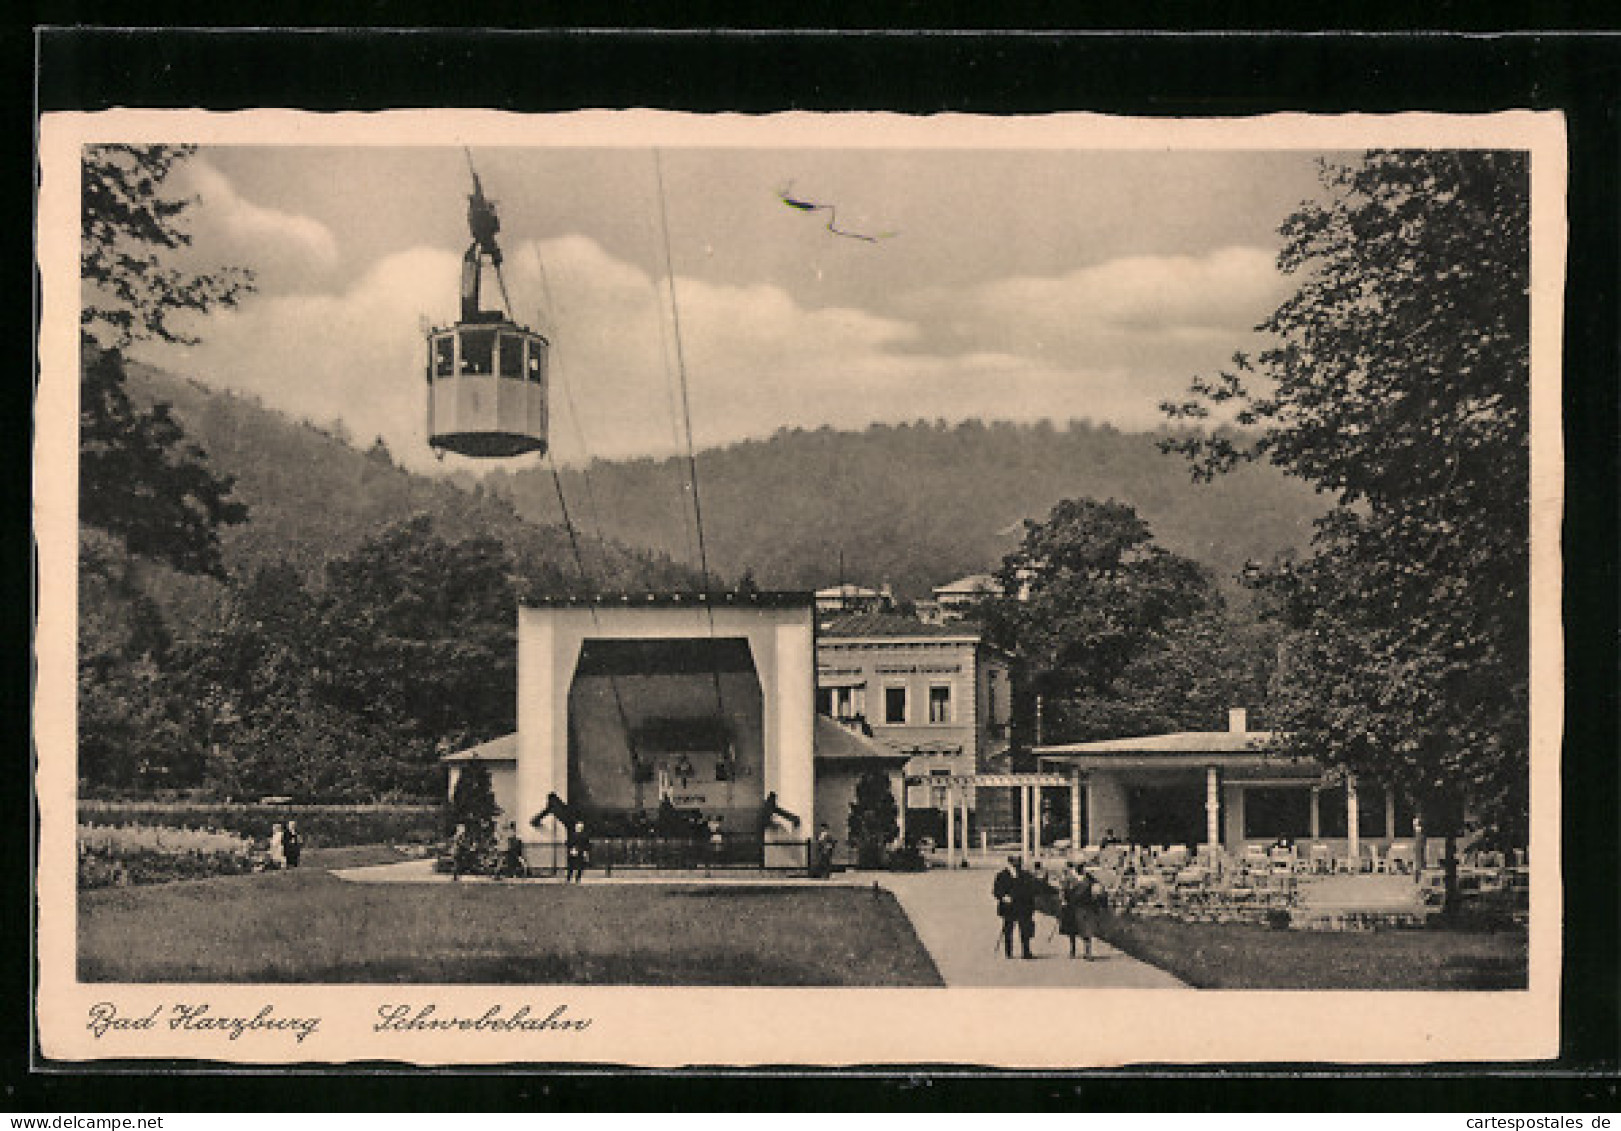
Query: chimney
[{"x": 1237, "y": 720}]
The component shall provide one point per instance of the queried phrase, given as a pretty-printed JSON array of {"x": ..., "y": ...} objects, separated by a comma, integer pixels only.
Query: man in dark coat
[
  {"x": 578, "y": 847},
  {"x": 1015, "y": 892}
]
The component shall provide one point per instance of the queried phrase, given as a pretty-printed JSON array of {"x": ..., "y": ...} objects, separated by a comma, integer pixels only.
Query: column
[
  {"x": 1316, "y": 812},
  {"x": 951, "y": 827},
  {"x": 1353, "y": 843},
  {"x": 1076, "y": 840},
  {"x": 1212, "y": 808},
  {"x": 1390, "y": 816},
  {"x": 1024, "y": 822},
  {"x": 967, "y": 844},
  {"x": 1035, "y": 820},
  {"x": 902, "y": 813}
]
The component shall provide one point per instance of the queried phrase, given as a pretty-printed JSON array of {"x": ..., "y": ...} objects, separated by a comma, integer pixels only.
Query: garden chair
[
  {"x": 1378, "y": 863},
  {"x": 1401, "y": 857},
  {"x": 1283, "y": 861},
  {"x": 1255, "y": 856},
  {"x": 1321, "y": 859}
]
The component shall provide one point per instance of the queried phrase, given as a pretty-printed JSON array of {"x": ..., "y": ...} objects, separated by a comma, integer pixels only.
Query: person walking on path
[
  {"x": 292, "y": 844},
  {"x": 1079, "y": 896},
  {"x": 1015, "y": 893},
  {"x": 579, "y": 853}
]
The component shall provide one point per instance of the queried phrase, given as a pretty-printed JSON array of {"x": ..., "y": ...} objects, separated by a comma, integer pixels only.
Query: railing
[{"x": 734, "y": 852}]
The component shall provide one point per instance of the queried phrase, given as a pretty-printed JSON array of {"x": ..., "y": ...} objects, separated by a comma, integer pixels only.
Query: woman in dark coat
[{"x": 1078, "y": 896}]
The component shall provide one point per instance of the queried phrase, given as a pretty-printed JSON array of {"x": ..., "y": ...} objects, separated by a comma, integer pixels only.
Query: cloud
[
  {"x": 1150, "y": 313},
  {"x": 755, "y": 358},
  {"x": 283, "y": 249}
]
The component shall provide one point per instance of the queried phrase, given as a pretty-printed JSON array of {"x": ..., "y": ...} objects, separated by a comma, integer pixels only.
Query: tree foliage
[
  {"x": 141, "y": 481},
  {"x": 133, "y": 231},
  {"x": 425, "y": 629},
  {"x": 1396, "y": 379},
  {"x": 472, "y": 805},
  {"x": 919, "y": 504},
  {"x": 874, "y": 818},
  {"x": 1086, "y": 593}
]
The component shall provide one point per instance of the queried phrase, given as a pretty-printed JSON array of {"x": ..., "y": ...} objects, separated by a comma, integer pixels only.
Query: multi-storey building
[{"x": 937, "y": 693}]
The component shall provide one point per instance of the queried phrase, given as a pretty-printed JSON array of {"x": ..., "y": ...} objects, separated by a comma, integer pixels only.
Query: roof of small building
[
  {"x": 761, "y": 598},
  {"x": 848, "y": 589},
  {"x": 832, "y": 741},
  {"x": 973, "y": 583},
  {"x": 835, "y": 742},
  {"x": 503, "y": 749},
  {"x": 1181, "y": 742},
  {"x": 893, "y": 624}
]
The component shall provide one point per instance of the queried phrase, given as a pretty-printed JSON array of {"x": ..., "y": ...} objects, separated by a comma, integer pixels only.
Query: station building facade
[{"x": 635, "y": 704}]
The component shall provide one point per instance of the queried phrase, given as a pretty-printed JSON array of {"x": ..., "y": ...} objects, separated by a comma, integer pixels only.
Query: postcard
[{"x": 659, "y": 589}]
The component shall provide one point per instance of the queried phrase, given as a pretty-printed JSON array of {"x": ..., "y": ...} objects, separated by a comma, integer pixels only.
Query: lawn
[
  {"x": 1239, "y": 956},
  {"x": 308, "y": 926}
]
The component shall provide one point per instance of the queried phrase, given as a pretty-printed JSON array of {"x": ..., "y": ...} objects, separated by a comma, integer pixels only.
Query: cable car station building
[{"x": 661, "y": 717}]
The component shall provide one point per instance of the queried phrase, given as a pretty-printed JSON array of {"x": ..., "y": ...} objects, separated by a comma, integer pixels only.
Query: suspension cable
[
  {"x": 686, "y": 411},
  {"x": 591, "y": 606}
]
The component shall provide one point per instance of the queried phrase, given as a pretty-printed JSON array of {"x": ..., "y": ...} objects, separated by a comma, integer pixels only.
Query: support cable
[{"x": 686, "y": 410}]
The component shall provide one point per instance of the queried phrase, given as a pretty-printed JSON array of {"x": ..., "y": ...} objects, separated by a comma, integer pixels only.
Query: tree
[
  {"x": 1086, "y": 593},
  {"x": 873, "y": 818},
  {"x": 131, "y": 227},
  {"x": 1397, "y": 382},
  {"x": 472, "y": 805},
  {"x": 1189, "y": 676},
  {"x": 424, "y": 630},
  {"x": 138, "y": 478},
  {"x": 140, "y": 481}
]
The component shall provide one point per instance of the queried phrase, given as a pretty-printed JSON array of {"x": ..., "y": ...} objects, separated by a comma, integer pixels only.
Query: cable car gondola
[{"x": 486, "y": 374}]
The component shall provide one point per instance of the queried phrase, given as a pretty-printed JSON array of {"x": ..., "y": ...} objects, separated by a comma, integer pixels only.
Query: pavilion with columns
[{"x": 1221, "y": 789}]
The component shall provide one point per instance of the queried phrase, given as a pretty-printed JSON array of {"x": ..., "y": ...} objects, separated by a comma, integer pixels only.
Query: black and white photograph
[{"x": 888, "y": 588}]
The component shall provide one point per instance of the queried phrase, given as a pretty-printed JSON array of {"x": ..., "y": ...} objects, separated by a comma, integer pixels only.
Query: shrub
[
  {"x": 115, "y": 855},
  {"x": 908, "y": 859}
]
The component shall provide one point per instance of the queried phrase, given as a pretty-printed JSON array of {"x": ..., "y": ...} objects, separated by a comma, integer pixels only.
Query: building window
[
  {"x": 478, "y": 352},
  {"x": 843, "y": 703},
  {"x": 895, "y": 705},
  {"x": 511, "y": 356},
  {"x": 940, "y": 704},
  {"x": 444, "y": 356}
]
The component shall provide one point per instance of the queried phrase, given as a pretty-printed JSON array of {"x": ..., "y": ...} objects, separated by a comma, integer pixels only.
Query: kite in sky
[{"x": 787, "y": 197}]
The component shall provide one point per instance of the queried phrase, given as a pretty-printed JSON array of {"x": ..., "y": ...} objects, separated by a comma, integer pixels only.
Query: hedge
[{"x": 320, "y": 826}]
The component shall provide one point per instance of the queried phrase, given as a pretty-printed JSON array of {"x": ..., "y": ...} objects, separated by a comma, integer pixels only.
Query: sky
[{"x": 1010, "y": 284}]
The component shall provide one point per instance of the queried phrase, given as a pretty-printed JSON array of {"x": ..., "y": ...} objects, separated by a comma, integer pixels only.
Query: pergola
[{"x": 1029, "y": 787}]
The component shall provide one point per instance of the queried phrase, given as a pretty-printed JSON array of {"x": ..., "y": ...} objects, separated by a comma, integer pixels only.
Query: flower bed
[
  {"x": 325, "y": 826},
  {"x": 118, "y": 855}
]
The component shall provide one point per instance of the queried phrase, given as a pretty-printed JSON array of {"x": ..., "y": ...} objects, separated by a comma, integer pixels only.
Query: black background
[{"x": 906, "y": 68}]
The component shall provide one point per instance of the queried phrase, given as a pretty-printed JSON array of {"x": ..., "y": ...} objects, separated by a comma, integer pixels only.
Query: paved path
[
  {"x": 951, "y": 911},
  {"x": 956, "y": 920}
]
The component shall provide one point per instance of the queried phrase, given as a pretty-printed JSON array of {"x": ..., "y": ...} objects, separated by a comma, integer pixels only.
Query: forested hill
[
  {"x": 917, "y": 505},
  {"x": 312, "y": 496}
]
